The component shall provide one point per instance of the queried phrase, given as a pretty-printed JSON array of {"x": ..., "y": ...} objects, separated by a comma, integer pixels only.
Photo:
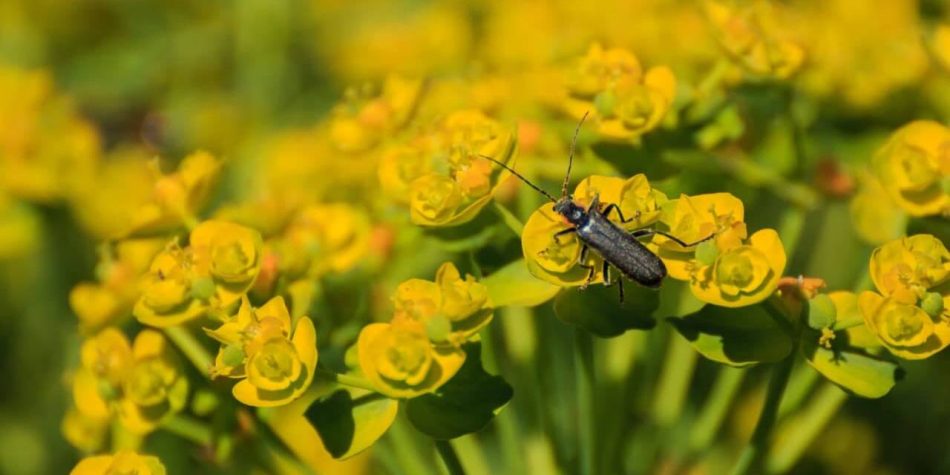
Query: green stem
[
  {"x": 449, "y": 457},
  {"x": 189, "y": 428},
  {"x": 407, "y": 453},
  {"x": 192, "y": 348},
  {"x": 801, "y": 429},
  {"x": 751, "y": 458},
  {"x": 715, "y": 408},
  {"x": 345, "y": 379},
  {"x": 800, "y": 385},
  {"x": 584, "y": 373},
  {"x": 674, "y": 381}
]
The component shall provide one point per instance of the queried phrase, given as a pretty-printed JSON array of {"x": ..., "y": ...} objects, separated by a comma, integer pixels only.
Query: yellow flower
[
  {"x": 328, "y": 238},
  {"x": 440, "y": 172},
  {"x": 275, "y": 365},
  {"x": 119, "y": 273},
  {"x": 624, "y": 101},
  {"x": 123, "y": 462},
  {"x": 365, "y": 117},
  {"x": 230, "y": 254},
  {"x": 751, "y": 37},
  {"x": 914, "y": 167},
  {"x": 742, "y": 275},
  {"x": 401, "y": 362},
  {"x": 180, "y": 195},
  {"x": 154, "y": 386},
  {"x": 904, "y": 329},
  {"x": 434, "y": 199},
  {"x": 905, "y": 269},
  {"x": 46, "y": 148},
  {"x": 107, "y": 356},
  {"x": 172, "y": 293}
]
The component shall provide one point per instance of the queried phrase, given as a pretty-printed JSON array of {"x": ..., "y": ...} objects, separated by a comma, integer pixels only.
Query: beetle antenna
[
  {"x": 513, "y": 172},
  {"x": 570, "y": 158}
]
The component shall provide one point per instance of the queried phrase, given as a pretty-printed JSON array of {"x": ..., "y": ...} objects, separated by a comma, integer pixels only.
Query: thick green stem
[
  {"x": 189, "y": 428},
  {"x": 584, "y": 373},
  {"x": 449, "y": 457},
  {"x": 405, "y": 449},
  {"x": 674, "y": 381},
  {"x": 750, "y": 460},
  {"x": 801, "y": 429},
  {"x": 714, "y": 410},
  {"x": 192, "y": 348}
]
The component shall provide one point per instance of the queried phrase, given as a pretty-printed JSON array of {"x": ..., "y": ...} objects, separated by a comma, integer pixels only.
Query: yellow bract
[
  {"x": 742, "y": 275},
  {"x": 121, "y": 463},
  {"x": 914, "y": 167},
  {"x": 624, "y": 101},
  {"x": 275, "y": 365},
  {"x": 875, "y": 216},
  {"x": 439, "y": 173},
  {"x": 401, "y": 362},
  {"x": 230, "y": 254}
]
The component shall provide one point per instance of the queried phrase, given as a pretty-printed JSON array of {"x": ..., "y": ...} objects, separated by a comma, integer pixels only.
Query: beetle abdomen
[{"x": 623, "y": 251}]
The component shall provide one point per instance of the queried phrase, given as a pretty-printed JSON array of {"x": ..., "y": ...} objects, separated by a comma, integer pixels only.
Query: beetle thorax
[{"x": 571, "y": 211}]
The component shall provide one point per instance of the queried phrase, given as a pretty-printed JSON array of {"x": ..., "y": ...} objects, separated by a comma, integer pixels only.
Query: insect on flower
[{"x": 592, "y": 226}]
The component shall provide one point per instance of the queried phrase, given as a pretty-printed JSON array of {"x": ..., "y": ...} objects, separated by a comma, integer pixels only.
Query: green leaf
[
  {"x": 351, "y": 420},
  {"x": 465, "y": 404},
  {"x": 821, "y": 312},
  {"x": 855, "y": 371},
  {"x": 513, "y": 285},
  {"x": 676, "y": 300},
  {"x": 735, "y": 336},
  {"x": 598, "y": 310}
]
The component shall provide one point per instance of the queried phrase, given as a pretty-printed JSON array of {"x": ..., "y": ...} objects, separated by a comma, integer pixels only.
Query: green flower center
[
  {"x": 146, "y": 384},
  {"x": 904, "y": 323},
  {"x": 275, "y": 362},
  {"x": 735, "y": 269},
  {"x": 229, "y": 262}
]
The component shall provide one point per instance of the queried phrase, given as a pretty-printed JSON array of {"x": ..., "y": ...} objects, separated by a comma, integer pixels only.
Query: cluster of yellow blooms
[
  {"x": 421, "y": 347},
  {"x": 141, "y": 384},
  {"x": 910, "y": 312}
]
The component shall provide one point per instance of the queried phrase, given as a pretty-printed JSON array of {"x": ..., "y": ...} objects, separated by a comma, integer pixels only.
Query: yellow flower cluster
[
  {"x": 210, "y": 275},
  {"x": 420, "y": 348},
  {"x": 274, "y": 358},
  {"x": 732, "y": 269},
  {"x": 439, "y": 172},
  {"x": 626, "y": 101},
  {"x": 751, "y": 36},
  {"x": 910, "y": 312},
  {"x": 46, "y": 150},
  {"x": 366, "y": 116},
  {"x": 120, "y": 463},
  {"x": 140, "y": 384}
]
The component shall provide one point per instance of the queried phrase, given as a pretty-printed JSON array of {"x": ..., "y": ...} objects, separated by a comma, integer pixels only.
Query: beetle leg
[
  {"x": 590, "y": 276},
  {"x": 649, "y": 232},
  {"x": 615, "y": 207},
  {"x": 608, "y": 283}
]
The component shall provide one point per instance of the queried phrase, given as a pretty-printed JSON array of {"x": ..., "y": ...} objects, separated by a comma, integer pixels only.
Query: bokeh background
[{"x": 91, "y": 82}]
